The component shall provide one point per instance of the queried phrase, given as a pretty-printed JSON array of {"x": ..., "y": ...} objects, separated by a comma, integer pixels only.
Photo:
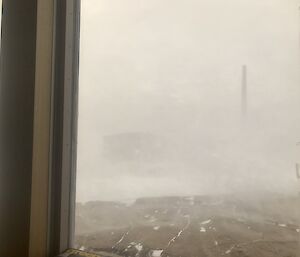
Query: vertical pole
[
  {"x": 299, "y": 28},
  {"x": 244, "y": 91}
]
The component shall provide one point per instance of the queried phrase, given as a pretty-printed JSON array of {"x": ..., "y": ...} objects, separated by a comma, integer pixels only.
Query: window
[{"x": 188, "y": 128}]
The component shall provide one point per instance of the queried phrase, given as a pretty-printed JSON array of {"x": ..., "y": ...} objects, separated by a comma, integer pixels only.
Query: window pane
[{"x": 188, "y": 128}]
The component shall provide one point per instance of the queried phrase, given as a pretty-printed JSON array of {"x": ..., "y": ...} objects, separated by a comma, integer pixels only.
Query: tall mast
[{"x": 244, "y": 101}]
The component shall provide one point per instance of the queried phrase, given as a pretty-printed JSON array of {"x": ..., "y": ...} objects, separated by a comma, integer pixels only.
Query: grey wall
[{"x": 16, "y": 124}]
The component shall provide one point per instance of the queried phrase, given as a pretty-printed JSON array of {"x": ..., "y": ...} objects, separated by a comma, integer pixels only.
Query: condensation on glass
[{"x": 189, "y": 128}]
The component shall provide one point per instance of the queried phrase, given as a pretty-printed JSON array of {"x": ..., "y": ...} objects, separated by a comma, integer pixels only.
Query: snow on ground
[
  {"x": 203, "y": 229},
  {"x": 139, "y": 247},
  {"x": 282, "y": 225},
  {"x": 205, "y": 222},
  {"x": 122, "y": 238},
  {"x": 152, "y": 219},
  {"x": 156, "y": 253},
  {"x": 229, "y": 250},
  {"x": 180, "y": 232}
]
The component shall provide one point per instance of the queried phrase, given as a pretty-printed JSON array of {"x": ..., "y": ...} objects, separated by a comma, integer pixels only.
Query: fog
[{"x": 160, "y": 98}]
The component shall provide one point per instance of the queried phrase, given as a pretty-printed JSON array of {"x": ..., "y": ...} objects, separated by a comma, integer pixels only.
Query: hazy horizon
[{"x": 169, "y": 72}]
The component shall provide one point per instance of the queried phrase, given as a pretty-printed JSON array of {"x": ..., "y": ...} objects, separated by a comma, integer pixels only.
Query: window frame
[
  {"x": 55, "y": 128},
  {"x": 64, "y": 125}
]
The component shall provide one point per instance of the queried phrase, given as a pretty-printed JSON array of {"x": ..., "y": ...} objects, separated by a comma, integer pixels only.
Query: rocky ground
[{"x": 196, "y": 226}]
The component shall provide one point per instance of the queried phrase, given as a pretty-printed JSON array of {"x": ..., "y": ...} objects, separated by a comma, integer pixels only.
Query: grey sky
[{"x": 172, "y": 68}]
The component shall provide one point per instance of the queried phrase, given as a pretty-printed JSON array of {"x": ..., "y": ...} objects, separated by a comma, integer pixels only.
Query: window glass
[{"x": 189, "y": 128}]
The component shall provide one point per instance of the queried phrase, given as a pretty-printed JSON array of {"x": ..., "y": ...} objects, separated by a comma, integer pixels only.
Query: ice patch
[
  {"x": 179, "y": 233},
  {"x": 216, "y": 243},
  {"x": 205, "y": 222},
  {"x": 156, "y": 227},
  {"x": 298, "y": 230},
  {"x": 139, "y": 247},
  {"x": 202, "y": 229},
  {"x": 156, "y": 253},
  {"x": 282, "y": 225},
  {"x": 82, "y": 248},
  {"x": 229, "y": 251},
  {"x": 122, "y": 238},
  {"x": 152, "y": 219}
]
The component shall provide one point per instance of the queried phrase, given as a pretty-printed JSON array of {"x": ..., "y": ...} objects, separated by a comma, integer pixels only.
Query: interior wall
[{"x": 17, "y": 79}]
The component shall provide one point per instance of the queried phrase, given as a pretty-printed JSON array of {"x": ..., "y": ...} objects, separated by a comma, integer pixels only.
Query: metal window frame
[
  {"x": 55, "y": 128},
  {"x": 65, "y": 106}
]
